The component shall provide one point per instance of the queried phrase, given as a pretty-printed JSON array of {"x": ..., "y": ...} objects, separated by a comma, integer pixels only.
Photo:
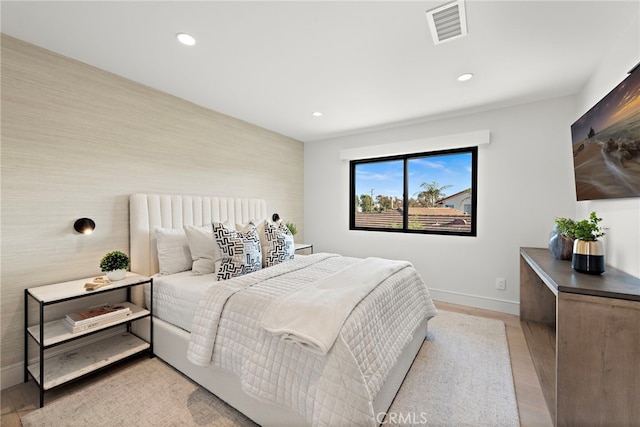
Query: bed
[{"x": 221, "y": 334}]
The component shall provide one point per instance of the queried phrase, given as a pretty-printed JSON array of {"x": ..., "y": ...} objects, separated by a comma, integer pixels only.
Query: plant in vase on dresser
[
  {"x": 588, "y": 251},
  {"x": 578, "y": 241},
  {"x": 561, "y": 238}
]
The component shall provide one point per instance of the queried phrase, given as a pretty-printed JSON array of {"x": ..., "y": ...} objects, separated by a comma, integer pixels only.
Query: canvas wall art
[{"x": 606, "y": 144}]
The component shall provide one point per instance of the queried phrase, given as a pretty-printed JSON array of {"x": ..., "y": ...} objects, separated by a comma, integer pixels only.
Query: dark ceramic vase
[
  {"x": 561, "y": 247},
  {"x": 588, "y": 256}
]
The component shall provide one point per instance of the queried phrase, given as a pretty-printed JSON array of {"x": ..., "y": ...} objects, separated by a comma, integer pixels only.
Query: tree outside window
[{"x": 431, "y": 193}]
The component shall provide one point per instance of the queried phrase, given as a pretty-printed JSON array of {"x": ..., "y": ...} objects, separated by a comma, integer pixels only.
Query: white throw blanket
[
  {"x": 312, "y": 316},
  {"x": 206, "y": 320}
]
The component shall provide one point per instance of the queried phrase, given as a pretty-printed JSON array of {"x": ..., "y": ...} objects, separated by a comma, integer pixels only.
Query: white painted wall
[
  {"x": 621, "y": 216},
  {"x": 525, "y": 180}
]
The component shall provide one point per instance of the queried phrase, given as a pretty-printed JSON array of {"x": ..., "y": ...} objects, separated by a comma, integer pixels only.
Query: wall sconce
[
  {"x": 84, "y": 226},
  {"x": 275, "y": 217}
]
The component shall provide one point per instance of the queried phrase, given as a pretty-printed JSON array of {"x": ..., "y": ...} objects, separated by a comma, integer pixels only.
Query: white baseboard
[
  {"x": 11, "y": 375},
  {"x": 503, "y": 306}
]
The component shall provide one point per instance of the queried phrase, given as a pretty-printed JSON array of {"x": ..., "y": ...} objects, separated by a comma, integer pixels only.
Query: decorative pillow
[
  {"x": 259, "y": 225},
  {"x": 173, "y": 251},
  {"x": 240, "y": 251},
  {"x": 277, "y": 245},
  {"x": 204, "y": 250}
]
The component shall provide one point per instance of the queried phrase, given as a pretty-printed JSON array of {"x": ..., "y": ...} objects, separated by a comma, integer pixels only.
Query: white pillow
[
  {"x": 277, "y": 244},
  {"x": 204, "y": 250},
  {"x": 240, "y": 251},
  {"x": 173, "y": 251}
]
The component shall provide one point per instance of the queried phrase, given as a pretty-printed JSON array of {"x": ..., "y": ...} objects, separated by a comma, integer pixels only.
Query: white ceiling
[{"x": 362, "y": 64}]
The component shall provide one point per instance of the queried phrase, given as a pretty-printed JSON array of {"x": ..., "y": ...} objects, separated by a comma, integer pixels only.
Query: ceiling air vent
[{"x": 447, "y": 22}]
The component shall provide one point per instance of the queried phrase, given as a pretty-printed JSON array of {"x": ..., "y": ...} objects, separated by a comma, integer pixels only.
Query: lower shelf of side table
[{"x": 73, "y": 364}]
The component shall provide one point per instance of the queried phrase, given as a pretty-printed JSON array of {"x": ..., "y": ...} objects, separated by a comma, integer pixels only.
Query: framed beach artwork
[{"x": 606, "y": 144}]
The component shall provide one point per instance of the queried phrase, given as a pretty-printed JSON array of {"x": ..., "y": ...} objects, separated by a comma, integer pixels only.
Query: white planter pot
[{"x": 116, "y": 274}]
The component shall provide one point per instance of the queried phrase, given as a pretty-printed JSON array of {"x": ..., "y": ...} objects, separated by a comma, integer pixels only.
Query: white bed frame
[{"x": 148, "y": 211}]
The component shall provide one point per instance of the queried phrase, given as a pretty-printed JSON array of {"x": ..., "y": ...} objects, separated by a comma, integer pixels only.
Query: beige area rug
[{"x": 461, "y": 377}]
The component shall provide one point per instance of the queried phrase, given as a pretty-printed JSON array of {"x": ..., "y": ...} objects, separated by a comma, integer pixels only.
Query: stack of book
[{"x": 95, "y": 317}]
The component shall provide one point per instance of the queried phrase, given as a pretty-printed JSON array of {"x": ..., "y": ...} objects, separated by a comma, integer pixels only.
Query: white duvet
[{"x": 333, "y": 389}]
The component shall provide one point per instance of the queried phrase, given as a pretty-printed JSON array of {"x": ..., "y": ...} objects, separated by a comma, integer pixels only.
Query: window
[{"x": 438, "y": 189}]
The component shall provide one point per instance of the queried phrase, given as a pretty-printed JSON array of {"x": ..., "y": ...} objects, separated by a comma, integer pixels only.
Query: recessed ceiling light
[
  {"x": 186, "y": 39},
  {"x": 465, "y": 77},
  {"x": 316, "y": 114}
]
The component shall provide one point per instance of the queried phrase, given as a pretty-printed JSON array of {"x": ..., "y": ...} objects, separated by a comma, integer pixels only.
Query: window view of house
[{"x": 433, "y": 193}]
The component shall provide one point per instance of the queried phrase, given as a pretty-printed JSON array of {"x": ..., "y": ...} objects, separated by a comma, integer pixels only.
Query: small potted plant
[
  {"x": 588, "y": 251},
  {"x": 115, "y": 264},
  {"x": 587, "y": 229}
]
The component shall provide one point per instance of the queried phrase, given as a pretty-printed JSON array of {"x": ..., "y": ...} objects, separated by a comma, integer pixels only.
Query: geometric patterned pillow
[
  {"x": 278, "y": 245},
  {"x": 240, "y": 251}
]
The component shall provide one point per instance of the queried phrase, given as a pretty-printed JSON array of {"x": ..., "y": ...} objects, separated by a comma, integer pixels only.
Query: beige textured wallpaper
[{"x": 76, "y": 141}]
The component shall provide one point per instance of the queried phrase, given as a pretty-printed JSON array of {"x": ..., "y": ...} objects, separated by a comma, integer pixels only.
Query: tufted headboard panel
[{"x": 147, "y": 211}]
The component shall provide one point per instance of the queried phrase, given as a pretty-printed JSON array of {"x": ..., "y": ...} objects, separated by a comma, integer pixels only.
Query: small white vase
[{"x": 116, "y": 274}]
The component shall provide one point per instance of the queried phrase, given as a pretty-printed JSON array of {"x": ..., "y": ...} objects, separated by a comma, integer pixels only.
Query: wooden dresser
[{"x": 583, "y": 333}]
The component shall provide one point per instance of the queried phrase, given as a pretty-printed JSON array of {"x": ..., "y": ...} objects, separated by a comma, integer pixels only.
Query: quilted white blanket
[
  {"x": 335, "y": 389},
  {"x": 312, "y": 316}
]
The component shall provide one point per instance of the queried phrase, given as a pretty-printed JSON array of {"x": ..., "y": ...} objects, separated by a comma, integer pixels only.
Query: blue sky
[{"x": 386, "y": 177}]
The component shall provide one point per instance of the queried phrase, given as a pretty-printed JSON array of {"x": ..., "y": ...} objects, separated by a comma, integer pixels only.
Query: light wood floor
[{"x": 21, "y": 399}]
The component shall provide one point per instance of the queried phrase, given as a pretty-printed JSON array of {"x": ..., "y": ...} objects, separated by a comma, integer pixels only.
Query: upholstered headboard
[{"x": 148, "y": 211}]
